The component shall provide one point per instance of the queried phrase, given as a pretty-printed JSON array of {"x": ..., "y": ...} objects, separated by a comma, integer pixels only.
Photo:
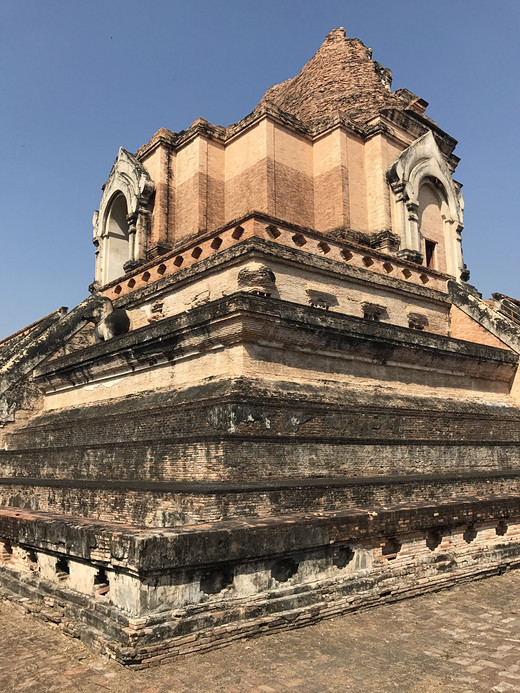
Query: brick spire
[{"x": 341, "y": 76}]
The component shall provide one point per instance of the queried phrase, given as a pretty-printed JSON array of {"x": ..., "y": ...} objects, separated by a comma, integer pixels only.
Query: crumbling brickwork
[{"x": 340, "y": 77}]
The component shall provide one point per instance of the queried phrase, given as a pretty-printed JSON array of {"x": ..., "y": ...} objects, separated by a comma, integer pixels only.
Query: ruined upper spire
[{"x": 341, "y": 76}]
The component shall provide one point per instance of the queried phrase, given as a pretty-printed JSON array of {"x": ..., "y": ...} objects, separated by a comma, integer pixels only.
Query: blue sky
[{"x": 80, "y": 79}]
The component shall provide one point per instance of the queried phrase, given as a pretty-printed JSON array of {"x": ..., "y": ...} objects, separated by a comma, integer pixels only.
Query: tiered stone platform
[
  {"x": 167, "y": 521},
  {"x": 283, "y": 401}
]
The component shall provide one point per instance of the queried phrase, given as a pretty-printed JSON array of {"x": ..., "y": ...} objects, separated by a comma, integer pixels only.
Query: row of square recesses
[
  {"x": 273, "y": 233},
  {"x": 58, "y": 567},
  {"x": 337, "y": 252},
  {"x": 181, "y": 260},
  {"x": 215, "y": 580}
]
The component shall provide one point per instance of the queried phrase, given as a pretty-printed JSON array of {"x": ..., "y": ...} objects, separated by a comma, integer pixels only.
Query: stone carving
[
  {"x": 374, "y": 312},
  {"x": 156, "y": 311},
  {"x": 417, "y": 321},
  {"x": 321, "y": 299},
  {"x": 110, "y": 322},
  {"x": 258, "y": 279}
]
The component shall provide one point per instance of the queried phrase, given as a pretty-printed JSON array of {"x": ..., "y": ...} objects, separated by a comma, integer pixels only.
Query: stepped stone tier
[{"x": 282, "y": 399}]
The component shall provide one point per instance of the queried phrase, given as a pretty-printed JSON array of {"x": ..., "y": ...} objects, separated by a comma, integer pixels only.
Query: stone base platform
[{"x": 145, "y": 595}]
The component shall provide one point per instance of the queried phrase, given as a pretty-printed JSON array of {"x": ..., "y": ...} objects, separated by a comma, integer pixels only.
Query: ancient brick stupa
[{"x": 282, "y": 400}]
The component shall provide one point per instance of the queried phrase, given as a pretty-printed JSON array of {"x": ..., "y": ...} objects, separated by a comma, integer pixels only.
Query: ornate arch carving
[
  {"x": 129, "y": 178},
  {"x": 421, "y": 162}
]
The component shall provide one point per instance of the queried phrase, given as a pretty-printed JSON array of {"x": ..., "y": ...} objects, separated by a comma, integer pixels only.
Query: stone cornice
[
  {"x": 161, "y": 550},
  {"x": 244, "y": 318},
  {"x": 202, "y": 128}
]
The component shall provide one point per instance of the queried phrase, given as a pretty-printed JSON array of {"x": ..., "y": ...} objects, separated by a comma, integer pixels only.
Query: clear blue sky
[{"x": 80, "y": 79}]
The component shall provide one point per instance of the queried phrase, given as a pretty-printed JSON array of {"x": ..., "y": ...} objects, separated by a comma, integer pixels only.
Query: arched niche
[
  {"x": 426, "y": 196},
  {"x": 122, "y": 221},
  {"x": 116, "y": 239},
  {"x": 431, "y": 212}
]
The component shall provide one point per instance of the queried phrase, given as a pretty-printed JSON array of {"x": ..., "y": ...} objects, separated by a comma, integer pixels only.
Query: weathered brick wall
[
  {"x": 463, "y": 327},
  {"x": 158, "y": 505},
  {"x": 332, "y": 197},
  {"x": 159, "y": 165},
  {"x": 292, "y": 166},
  {"x": 123, "y": 459},
  {"x": 247, "y": 175}
]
